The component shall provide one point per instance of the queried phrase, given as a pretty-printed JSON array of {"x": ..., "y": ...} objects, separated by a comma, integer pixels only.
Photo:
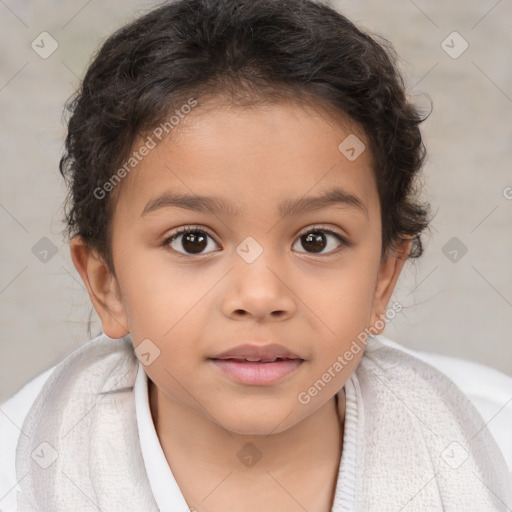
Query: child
[{"x": 241, "y": 206}]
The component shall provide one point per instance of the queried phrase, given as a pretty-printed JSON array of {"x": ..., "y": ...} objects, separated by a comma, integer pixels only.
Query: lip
[
  {"x": 266, "y": 364},
  {"x": 257, "y": 373},
  {"x": 265, "y": 353}
]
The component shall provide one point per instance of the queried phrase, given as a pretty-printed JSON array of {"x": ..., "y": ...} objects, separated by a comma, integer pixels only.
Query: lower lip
[{"x": 257, "y": 374}]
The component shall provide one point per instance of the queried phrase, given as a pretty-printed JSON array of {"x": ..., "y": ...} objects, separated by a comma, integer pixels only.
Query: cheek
[
  {"x": 147, "y": 299},
  {"x": 162, "y": 304},
  {"x": 156, "y": 292},
  {"x": 351, "y": 283},
  {"x": 345, "y": 305},
  {"x": 341, "y": 345}
]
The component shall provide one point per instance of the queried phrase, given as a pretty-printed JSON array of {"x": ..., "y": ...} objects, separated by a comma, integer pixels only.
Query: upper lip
[{"x": 257, "y": 352}]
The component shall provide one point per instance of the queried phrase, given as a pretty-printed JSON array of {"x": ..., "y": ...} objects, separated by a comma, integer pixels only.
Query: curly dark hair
[{"x": 249, "y": 51}]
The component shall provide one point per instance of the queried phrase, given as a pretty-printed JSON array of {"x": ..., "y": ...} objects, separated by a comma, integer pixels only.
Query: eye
[
  {"x": 316, "y": 239},
  {"x": 190, "y": 239}
]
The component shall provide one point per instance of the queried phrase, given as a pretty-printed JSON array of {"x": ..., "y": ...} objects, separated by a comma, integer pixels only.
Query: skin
[{"x": 193, "y": 307}]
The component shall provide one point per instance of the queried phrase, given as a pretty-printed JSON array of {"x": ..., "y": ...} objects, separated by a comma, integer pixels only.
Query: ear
[
  {"x": 387, "y": 277},
  {"x": 102, "y": 286}
]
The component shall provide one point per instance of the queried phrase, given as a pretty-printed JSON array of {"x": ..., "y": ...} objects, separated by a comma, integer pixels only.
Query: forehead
[{"x": 251, "y": 161}]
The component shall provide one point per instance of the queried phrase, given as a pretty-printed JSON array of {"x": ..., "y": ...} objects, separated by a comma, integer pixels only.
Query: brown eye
[
  {"x": 189, "y": 241},
  {"x": 195, "y": 241},
  {"x": 316, "y": 240}
]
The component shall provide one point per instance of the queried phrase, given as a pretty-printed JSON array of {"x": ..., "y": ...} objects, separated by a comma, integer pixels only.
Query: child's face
[{"x": 195, "y": 306}]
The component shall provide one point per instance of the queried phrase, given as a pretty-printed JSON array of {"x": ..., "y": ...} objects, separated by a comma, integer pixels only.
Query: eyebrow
[{"x": 213, "y": 204}]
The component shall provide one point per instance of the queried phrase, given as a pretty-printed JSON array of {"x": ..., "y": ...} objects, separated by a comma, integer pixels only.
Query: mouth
[
  {"x": 255, "y": 359},
  {"x": 255, "y": 371}
]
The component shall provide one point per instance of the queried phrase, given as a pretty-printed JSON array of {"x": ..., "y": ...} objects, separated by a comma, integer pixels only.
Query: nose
[{"x": 260, "y": 290}]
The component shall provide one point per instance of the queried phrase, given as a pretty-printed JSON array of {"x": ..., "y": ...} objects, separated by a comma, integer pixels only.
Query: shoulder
[
  {"x": 14, "y": 410},
  {"x": 488, "y": 390},
  {"x": 12, "y": 415}
]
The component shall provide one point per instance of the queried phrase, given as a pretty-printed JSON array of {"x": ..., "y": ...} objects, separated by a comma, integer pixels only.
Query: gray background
[{"x": 461, "y": 308}]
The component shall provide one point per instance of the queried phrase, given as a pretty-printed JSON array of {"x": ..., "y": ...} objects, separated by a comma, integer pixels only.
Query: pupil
[
  {"x": 197, "y": 242},
  {"x": 308, "y": 241}
]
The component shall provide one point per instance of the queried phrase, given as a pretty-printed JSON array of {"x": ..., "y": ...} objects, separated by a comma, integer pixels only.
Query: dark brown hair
[{"x": 251, "y": 51}]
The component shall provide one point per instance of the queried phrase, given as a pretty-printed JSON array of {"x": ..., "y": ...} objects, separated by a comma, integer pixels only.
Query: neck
[{"x": 308, "y": 452}]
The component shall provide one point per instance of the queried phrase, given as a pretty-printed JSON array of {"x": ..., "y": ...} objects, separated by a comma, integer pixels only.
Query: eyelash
[{"x": 195, "y": 229}]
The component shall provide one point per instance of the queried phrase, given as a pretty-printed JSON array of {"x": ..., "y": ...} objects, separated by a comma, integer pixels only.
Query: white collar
[{"x": 166, "y": 492}]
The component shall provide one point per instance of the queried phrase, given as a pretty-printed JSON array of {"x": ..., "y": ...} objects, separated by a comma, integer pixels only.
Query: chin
[{"x": 257, "y": 423}]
